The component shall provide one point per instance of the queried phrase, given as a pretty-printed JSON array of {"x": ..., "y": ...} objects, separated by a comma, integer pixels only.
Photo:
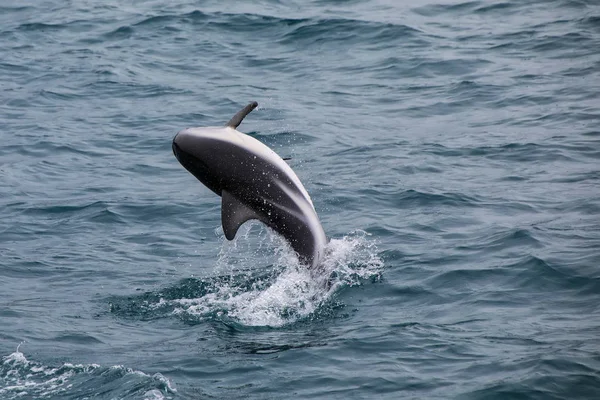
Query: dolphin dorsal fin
[
  {"x": 233, "y": 214},
  {"x": 237, "y": 118}
]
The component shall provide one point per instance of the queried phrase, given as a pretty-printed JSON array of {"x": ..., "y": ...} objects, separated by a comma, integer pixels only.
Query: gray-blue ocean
[{"x": 451, "y": 149}]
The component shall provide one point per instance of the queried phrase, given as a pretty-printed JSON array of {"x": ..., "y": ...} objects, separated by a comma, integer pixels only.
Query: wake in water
[{"x": 285, "y": 293}]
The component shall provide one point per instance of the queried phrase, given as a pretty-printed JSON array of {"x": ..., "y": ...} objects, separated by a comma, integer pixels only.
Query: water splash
[
  {"x": 289, "y": 292},
  {"x": 258, "y": 281}
]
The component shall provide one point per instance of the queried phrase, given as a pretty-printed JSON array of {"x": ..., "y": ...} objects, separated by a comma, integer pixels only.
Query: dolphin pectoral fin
[
  {"x": 237, "y": 118},
  {"x": 233, "y": 214}
]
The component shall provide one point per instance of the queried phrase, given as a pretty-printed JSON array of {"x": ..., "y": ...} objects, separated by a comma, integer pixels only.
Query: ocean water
[{"x": 451, "y": 149}]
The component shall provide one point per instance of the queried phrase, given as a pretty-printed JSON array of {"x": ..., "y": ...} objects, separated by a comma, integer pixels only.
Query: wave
[
  {"x": 521, "y": 152},
  {"x": 546, "y": 377},
  {"x": 282, "y": 30},
  {"x": 503, "y": 240},
  {"x": 22, "y": 378}
]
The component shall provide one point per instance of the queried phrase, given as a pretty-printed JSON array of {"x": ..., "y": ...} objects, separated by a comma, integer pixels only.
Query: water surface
[{"x": 451, "y": 150}]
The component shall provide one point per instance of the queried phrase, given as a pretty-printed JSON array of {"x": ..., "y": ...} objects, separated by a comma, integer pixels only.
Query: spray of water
[{"x": 289, "y": 291}]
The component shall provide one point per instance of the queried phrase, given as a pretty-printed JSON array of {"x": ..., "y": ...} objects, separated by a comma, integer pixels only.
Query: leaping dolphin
[{"x": 254, "y": 183}]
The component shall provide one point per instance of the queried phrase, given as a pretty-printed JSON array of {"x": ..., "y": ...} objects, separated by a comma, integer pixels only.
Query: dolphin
[{"x": 254, "y": 183}]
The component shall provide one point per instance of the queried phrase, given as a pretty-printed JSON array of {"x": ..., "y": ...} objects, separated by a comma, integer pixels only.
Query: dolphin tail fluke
[{"x": 237, "y": 118}]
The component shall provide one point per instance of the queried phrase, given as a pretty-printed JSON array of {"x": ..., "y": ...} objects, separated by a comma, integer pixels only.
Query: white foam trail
[{"x": 294, "y": 292}]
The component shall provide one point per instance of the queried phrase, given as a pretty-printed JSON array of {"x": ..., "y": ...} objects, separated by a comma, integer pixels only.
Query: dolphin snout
[
  {"x": 182, "y": 143},
  {"x": 176, "y": 148},
  {"x": 179, "y": 136}
]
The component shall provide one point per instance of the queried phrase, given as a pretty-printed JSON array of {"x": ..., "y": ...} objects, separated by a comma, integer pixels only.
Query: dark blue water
[{"x": 451, "y": 149}]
